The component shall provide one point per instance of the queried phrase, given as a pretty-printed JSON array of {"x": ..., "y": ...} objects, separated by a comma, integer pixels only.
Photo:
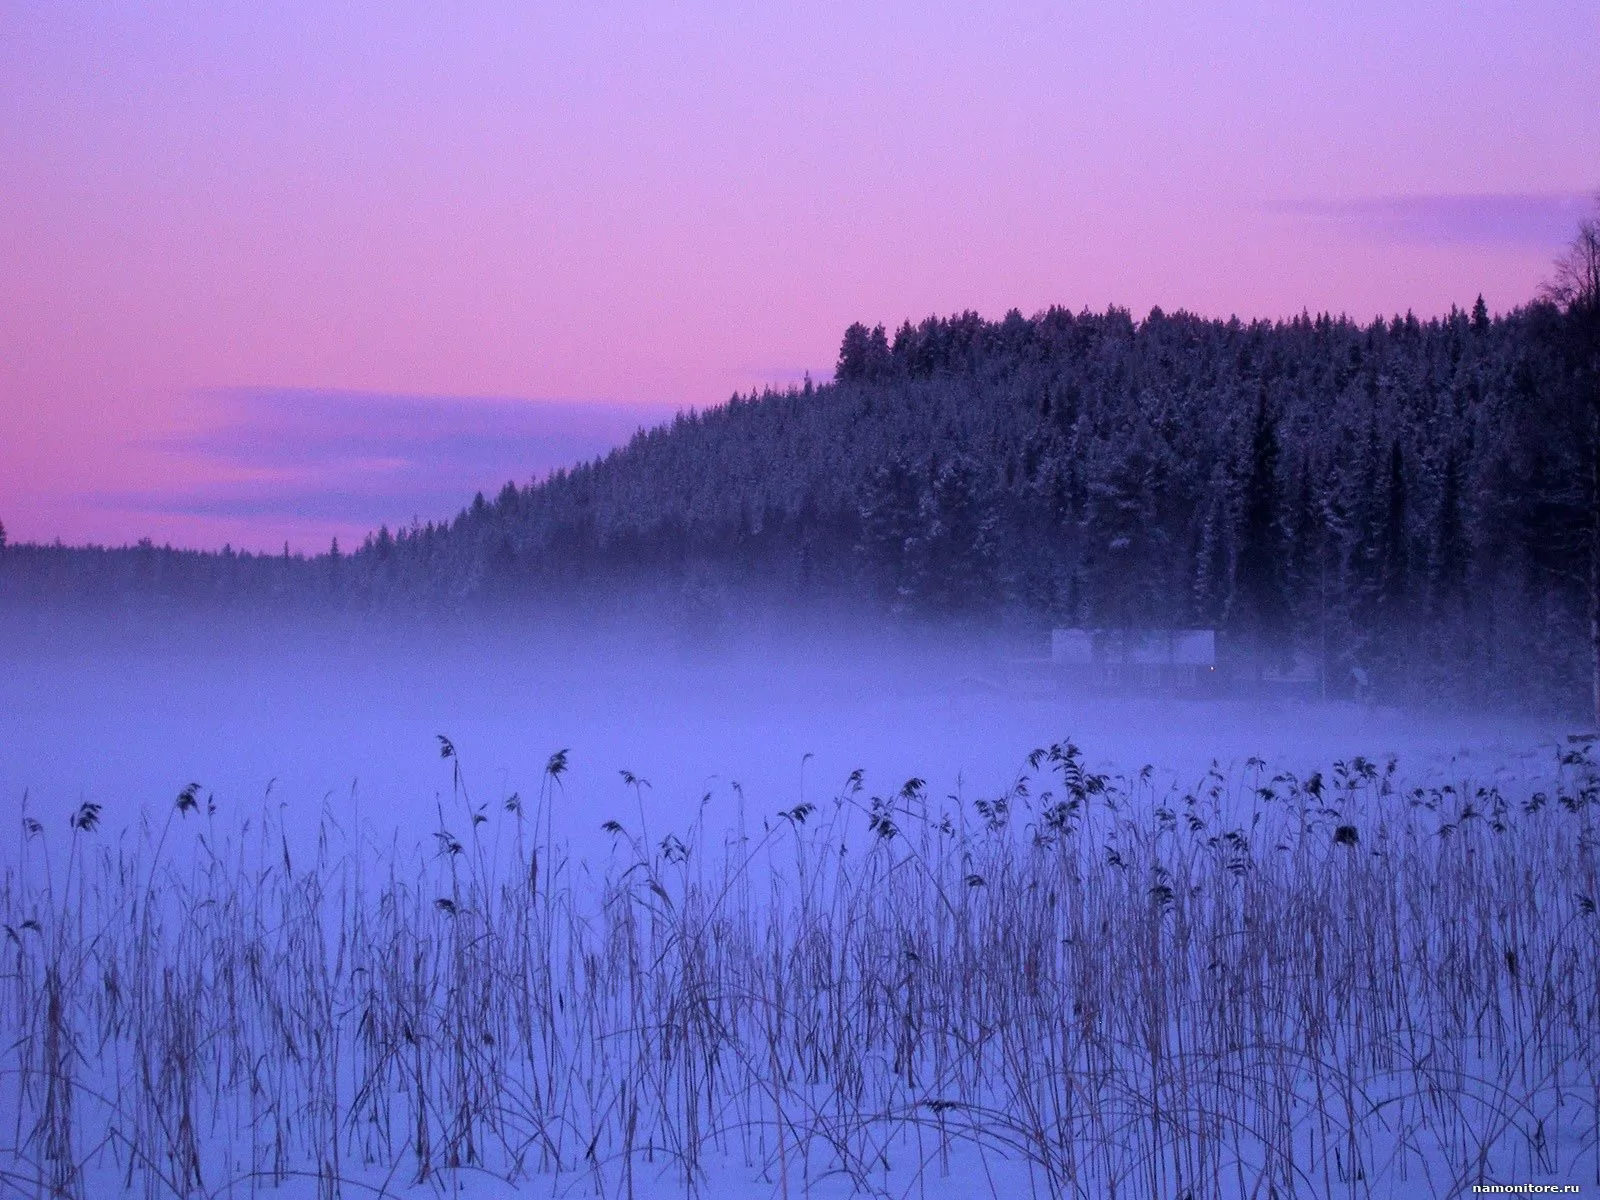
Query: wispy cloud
[
  {"x": 362, "y": 459},
  {"x": 1514, "y": 220}
]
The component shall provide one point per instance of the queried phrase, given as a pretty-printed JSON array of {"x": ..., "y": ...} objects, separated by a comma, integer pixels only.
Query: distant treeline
[{"x": 1406, "y": 502}]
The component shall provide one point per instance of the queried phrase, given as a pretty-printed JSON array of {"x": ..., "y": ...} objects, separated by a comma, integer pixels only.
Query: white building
[{"x": 1149, "y": 658}]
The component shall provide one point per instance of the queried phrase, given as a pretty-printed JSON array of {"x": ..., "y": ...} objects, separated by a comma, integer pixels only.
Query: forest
[{"x": 1408, "y": 504}]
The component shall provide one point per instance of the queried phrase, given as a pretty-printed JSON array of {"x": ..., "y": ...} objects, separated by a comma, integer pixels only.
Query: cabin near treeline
[{"x": 1183, "y": 660}]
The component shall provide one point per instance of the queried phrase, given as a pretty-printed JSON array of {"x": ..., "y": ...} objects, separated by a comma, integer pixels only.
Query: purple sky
[{"x": 250, "y": 255}]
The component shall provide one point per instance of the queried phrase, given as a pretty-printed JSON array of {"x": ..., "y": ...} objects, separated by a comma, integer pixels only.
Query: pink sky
[{"x": 213, "y": 209}]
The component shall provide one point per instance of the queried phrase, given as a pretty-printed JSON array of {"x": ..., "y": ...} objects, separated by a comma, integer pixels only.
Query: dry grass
[{"x": 1317, "y": 987}]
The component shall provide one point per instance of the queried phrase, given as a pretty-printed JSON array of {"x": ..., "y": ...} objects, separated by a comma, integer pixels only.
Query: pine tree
[
  {"x": 1394, "y": 587},
  {"x": 863, "y": 355},
  {"x": 955, "y": 545},
  {"x": 1212, "y": 581},
  {"x": 891, "y": 521},
  {"x": 1447, "y": 568},
  {"x": 1259, "y": 614},
  {"x": 1124, "y": 539},
  {"x": 1393, "y": 625}
]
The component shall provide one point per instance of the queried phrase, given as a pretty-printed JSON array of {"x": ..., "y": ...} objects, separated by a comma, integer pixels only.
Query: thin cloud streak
[
  {"x": 362, "y": 460},
  {"x": 363, "y": 507},
  {"x": 301, "y": 429},
  {"x": 1507, "y": 220}
]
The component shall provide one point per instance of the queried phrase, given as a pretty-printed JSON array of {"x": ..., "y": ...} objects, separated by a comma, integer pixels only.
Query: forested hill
[{"x": 1401, "y": 497}]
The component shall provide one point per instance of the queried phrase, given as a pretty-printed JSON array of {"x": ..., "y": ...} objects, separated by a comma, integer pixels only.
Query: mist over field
[{"x": 347, "y": 715}]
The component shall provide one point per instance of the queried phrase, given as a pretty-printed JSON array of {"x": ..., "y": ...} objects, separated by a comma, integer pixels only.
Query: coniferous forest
[{"x": 1408, "y": 504}]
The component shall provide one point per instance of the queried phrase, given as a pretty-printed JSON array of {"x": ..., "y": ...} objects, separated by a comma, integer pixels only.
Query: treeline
[{"x": 1403, "y": 502}]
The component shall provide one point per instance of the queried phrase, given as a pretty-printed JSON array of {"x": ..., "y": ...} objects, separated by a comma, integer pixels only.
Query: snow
[{"x": 338, "y": 728}]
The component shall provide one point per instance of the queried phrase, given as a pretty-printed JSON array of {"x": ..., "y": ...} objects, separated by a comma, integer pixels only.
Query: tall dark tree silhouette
[
  {"x": 1575, "y": 290},
  {"x": 890, "y": 521},
  {"x": 1447, "y": 565},
  {"x": 1395, "y": 553},
  {"x": 1121, "y": 521},
  {"x": 1394, "y": 569},
  {"x": 1260, "y": 612},
  {"x": 1575, "y": 286},
  {"x": 955, "y": 546},
  {"x": 863, "y": 355}
]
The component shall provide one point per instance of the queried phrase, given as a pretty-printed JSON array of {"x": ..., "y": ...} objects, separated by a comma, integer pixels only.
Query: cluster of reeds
[{"x": 1263, "y": 985}]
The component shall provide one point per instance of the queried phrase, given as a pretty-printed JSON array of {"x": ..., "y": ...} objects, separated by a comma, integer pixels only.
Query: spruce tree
[
  {"x": 1393, "y": 626},
  {"x": 1260, "y": 613},
  {"x": 1447, "y": 567}
]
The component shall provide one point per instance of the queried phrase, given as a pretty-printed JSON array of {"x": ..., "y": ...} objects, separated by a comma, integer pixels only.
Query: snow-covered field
[{"x": 347, "y": 963}]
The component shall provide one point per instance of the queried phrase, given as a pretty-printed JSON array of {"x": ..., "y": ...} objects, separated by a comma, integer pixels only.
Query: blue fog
[{"x": 350, "y": 719}]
